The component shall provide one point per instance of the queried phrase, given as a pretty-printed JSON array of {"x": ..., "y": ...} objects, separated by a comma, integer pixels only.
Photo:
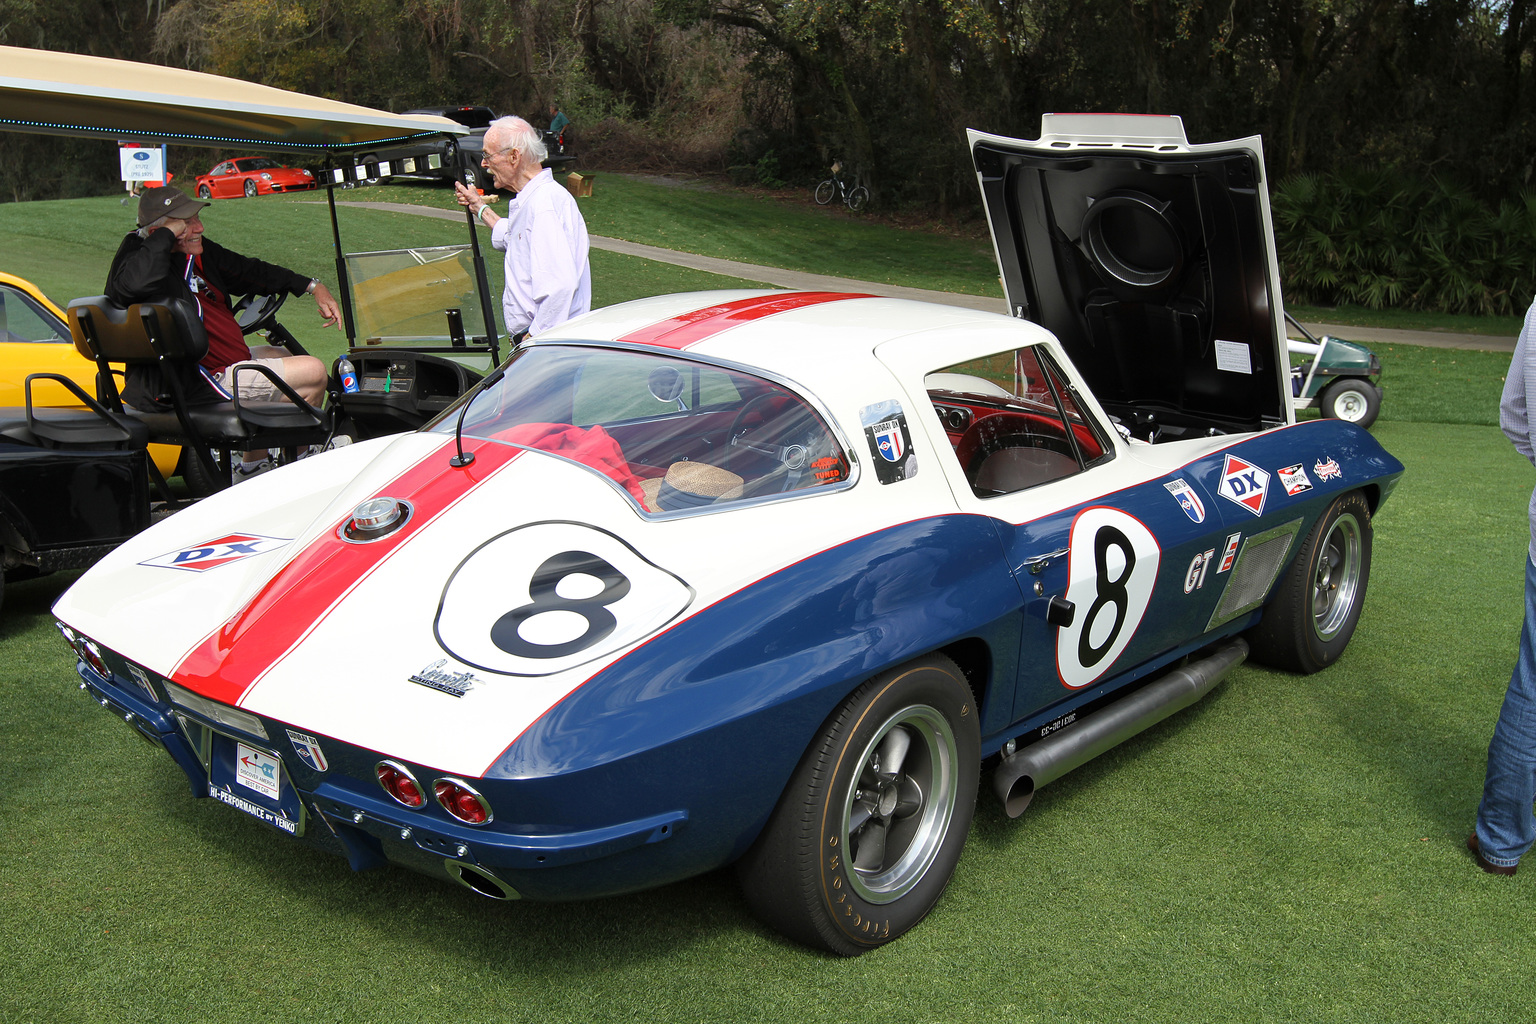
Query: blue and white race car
[{"x": 769, "y": 578}]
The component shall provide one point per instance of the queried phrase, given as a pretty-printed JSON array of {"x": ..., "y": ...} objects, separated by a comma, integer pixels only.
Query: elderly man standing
[{"x": 548, "y": 276}]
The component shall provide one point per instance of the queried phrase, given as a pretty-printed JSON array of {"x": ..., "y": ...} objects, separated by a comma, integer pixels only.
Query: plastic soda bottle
[{"x": 348, "y": 374}]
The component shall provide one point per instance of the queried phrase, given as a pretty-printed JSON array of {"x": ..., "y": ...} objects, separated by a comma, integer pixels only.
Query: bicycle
[{"x": 854, "y": 198}]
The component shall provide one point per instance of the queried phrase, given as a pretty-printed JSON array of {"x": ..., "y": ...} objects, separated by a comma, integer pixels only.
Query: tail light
[
  {"x": 461, "y": 801},
  {"x": 399, "y": 783},
  {"x": 86, "y": 651}
]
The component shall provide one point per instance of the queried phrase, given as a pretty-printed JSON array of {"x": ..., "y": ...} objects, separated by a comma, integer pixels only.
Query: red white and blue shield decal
[
  {"x": 888, "y": 443},
  {"x": 308, "y": 749},
  {"x": 1188, "y": 500}
]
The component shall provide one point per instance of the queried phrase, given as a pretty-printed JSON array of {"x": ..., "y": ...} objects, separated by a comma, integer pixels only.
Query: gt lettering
[
  {"x": 1111, "y": 571},
  {"x": 1194, "y": 579}
]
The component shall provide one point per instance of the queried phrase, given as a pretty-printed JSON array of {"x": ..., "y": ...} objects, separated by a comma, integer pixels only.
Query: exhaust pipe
[
  {"x": 472, "y": 876},
  {"x": 1020, "y": 774}
]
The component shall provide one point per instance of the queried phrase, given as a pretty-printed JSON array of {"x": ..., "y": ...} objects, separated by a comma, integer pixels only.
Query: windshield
[
  {"x": 676, "y": 434},
  {"x": 257, "y": 164}
]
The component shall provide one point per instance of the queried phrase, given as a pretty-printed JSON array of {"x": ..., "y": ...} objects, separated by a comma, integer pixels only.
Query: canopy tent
[{"x": 50, "y": 93}]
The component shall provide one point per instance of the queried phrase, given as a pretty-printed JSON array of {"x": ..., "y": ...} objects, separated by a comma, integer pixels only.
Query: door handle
[{"x": 1036, "y": 564}]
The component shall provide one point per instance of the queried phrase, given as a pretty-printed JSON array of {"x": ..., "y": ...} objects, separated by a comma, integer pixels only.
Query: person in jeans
[{"x": 1506, "y": 824}]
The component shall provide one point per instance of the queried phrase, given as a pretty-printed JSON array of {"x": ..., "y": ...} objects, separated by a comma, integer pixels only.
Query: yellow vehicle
[{"x": 34, "y": 338}]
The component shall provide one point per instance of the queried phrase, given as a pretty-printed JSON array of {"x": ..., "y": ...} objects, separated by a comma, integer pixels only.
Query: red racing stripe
[
  {"x": 231, "y": 660},
  {"x": 688, "y": 329}
]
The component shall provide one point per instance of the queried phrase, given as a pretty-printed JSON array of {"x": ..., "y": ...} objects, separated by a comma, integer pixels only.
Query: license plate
[{"x": 251, "y": 780}]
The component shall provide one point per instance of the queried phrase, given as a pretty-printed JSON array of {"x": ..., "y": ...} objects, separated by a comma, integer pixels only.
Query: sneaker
[{"x": 246, "y": 470}]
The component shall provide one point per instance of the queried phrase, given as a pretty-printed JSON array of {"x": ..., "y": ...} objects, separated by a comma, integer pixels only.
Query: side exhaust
[{"x": 1020, "y": 774}]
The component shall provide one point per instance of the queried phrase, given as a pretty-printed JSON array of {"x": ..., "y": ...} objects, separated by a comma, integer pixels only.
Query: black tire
[
  {"x": 1352, "y": 400},
  {"x": 195, "y": 475},
  {"x": 1317, "y": 603},
  {"x": 858, "y": 199},
  {"x": 366, "y": 159},
  {"x": 250, "y": 189},
  {"x": 804, "y": 877},
  {"x": 825, "y": 191},
  {"x": 204, "y": 192}
]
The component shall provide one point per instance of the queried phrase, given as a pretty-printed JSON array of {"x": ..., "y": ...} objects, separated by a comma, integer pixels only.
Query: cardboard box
[{"x": 579, "y": 184}]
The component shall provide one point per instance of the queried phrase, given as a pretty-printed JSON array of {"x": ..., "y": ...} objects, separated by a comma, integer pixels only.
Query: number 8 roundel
[
  {"x": 1110, "y": 575},
  {"x": 550, "y": 596}
]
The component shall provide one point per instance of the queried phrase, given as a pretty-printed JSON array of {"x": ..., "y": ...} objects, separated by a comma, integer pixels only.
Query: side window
[
  {"x": 1014, "y": 421},
  {"x": 22, "y": 320}
]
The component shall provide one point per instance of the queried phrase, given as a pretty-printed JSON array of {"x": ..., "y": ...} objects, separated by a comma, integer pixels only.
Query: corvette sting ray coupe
[{"x": 769, "y": 578}]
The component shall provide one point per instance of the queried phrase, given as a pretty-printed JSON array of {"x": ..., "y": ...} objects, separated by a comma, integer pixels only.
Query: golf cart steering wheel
[{"x": 256, "y": 312}]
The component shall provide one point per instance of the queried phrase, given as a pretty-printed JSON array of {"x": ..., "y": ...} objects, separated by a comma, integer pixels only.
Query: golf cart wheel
[
  {"x": 1317, "y": 602},
  {"x": 1352, "y": 400},
  {"x": 195, "y": 475},
  {"x": 866, "y": 835}
]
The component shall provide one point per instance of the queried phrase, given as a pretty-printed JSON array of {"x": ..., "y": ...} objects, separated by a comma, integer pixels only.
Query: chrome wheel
[
  {"x": 899, "y": 811},
  {"x": 1337, "y": 583}
]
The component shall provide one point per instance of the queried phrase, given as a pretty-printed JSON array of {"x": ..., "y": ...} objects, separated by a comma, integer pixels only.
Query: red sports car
[{"x": 251, "y": 176}]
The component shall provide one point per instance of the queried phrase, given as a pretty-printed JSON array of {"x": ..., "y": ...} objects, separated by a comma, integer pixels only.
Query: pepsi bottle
[{"x": 348, "y": 374}]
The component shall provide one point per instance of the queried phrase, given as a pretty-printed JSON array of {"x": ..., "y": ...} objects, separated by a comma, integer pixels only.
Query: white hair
[
  {"x": 520, "y": 135},
  {"x": 148, "y": 229}
]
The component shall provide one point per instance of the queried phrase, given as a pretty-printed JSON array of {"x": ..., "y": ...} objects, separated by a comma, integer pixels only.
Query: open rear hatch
[{"x": 1152, "y": 260}]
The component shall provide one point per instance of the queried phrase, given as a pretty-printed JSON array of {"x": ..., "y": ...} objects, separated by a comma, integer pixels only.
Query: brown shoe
[{"x": 1484, "y": 863}]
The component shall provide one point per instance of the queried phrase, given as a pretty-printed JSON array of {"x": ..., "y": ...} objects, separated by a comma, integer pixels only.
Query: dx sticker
[
  {"x": 1110, "y": 574},
  {"x": 550, "y": 596}
]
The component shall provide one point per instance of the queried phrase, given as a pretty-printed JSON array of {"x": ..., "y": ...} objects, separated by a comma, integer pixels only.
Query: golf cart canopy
[
  {"x": 50, "y": 93},
  {"x": 1153, "y": 260}
]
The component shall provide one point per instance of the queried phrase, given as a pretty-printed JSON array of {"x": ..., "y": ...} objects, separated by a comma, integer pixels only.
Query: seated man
[{"x": 168, "y": 257}]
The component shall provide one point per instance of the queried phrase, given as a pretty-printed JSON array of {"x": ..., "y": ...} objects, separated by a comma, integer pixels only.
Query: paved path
[{"x": 780, "y": 278}]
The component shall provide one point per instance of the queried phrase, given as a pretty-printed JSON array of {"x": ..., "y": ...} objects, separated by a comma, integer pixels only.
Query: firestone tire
[
  {"x": 1317, "y": 603},
  {"x": 824, "y": 192},
  {"x": 858, "y": 199},
  {"x": 1352, "y": 400},
  {"x": 869, "y": 829}
]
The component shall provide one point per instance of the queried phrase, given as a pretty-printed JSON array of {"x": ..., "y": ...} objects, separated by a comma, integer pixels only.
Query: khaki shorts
[{"x": 255, "y": 386}]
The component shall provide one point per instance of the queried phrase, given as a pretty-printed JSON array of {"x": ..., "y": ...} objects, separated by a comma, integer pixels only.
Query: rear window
[{"x": 677, "y": 434}]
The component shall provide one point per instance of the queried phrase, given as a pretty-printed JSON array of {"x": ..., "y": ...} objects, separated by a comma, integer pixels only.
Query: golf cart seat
[
  {"x": 169, "y": 334},
  {"x": 93, "y": 427}
]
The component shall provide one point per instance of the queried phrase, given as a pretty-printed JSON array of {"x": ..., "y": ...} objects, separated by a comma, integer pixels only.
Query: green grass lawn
[{"x": 1287, "y": 850}]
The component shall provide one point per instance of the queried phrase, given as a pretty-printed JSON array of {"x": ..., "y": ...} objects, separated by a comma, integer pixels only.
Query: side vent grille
[{"x": 1259, "y": 561}]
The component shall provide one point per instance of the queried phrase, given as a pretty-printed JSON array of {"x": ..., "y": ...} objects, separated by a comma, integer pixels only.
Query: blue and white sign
[{"x": 142, "y": 163}]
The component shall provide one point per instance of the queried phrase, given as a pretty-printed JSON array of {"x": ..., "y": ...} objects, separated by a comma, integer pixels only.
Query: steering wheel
[
  {"x": 793, "y": 457},
  {"x": 256, "y": 312},
  {"x": 993, "y": 433}
]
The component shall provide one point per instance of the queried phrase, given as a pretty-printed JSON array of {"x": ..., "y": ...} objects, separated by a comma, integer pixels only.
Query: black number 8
[
  {"x": 546, "y": 579},
  {"x": 1110, "y": 592}
]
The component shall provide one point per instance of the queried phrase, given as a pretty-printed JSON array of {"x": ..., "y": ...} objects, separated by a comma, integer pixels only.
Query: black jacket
[{"x": 150, "y": 269}]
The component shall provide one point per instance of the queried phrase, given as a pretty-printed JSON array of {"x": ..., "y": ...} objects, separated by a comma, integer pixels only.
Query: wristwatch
[{"x": 314, "y": 283}]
